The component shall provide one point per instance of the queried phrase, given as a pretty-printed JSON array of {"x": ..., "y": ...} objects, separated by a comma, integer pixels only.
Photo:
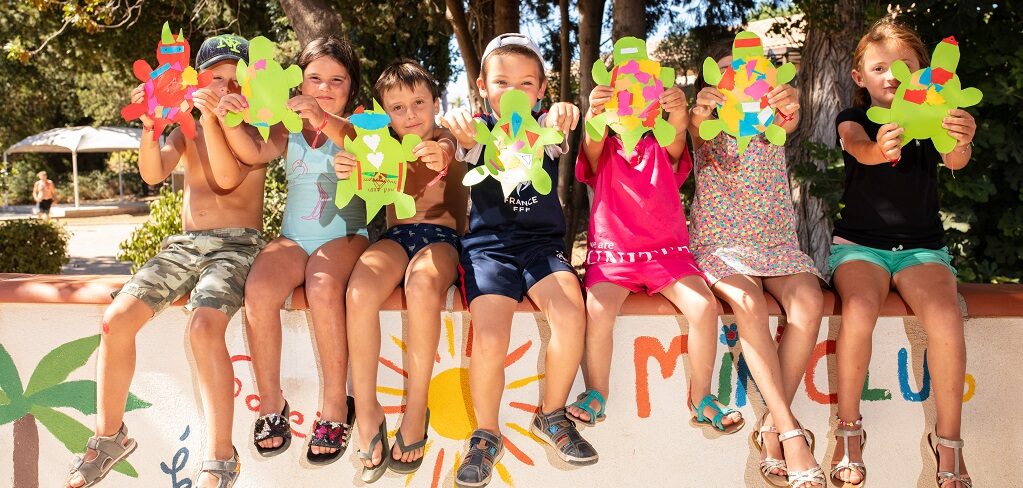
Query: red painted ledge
[{"x": 982, "y": 300}]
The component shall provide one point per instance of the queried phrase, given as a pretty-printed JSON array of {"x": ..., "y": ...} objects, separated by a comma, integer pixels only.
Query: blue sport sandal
[
  {"x": 559, "y": 431},
  {"x": 701, "y": 420},
  {"x": 582, "y": 402},
  {"x": 485, "y": 450}
]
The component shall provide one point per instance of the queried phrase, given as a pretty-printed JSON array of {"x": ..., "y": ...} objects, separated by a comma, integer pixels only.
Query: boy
[
  {"x": 210, "y": 260},
  {"x": 421, "y": 252},
  {"x": 515, "y": 248},
  {"x": 44, "y": 193}
]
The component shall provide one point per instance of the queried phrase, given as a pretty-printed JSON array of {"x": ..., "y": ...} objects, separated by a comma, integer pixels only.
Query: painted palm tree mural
[{"x": 46, "y": 392}]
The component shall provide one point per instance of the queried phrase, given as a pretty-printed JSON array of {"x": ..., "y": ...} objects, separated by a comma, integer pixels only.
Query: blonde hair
[{"x": 883, "y": 31}]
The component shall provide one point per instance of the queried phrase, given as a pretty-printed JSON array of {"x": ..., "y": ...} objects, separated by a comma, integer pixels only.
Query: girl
[
  {"x": 628, "y": 191},
  {"x": 744, "y": 238},
  {"x": 319, "y": 246},
  {"x": 890, "y": 234}
]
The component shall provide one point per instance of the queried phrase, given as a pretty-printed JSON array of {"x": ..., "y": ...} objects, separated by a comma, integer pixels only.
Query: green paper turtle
[
  {"x": 634, "y": 107},
  {"x": 379, "y": 176},
  {"x": 924, "y": 98},
  {"x": 745, "y": 84},
  {"x": 514, "y": 150},
  {"x": 266, "y": 87}
]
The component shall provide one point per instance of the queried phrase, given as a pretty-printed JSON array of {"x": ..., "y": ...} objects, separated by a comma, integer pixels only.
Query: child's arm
[
  {"x": 887, "y": 149},
  {"x": 673, "y": 101},
  {"x": 599, "y": 97},
  {"x": 227, "y": 171},
  {"x": 244, "y": 141},
  {"x": 437, "y": 152},
  {"x": 155, "y": 162},
  {"x": 961, "y": 125},
  {"x": 331, "y": 126},
  {"x": 707, "y": 100},
  {"x": 784, "y": 99},
  {"x": 462, "y": 126}
]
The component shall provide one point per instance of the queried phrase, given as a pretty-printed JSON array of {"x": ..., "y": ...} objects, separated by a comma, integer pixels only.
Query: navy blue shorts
[
  {"x": 414, "y": 237},
  {"x": 509, "y": 269}
]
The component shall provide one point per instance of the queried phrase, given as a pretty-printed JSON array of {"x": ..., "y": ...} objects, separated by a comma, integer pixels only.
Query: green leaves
[
  {"x": 10, "y": 381},
  {"x": 60, "y": 362},
  {"x": 73, "y": 434}
]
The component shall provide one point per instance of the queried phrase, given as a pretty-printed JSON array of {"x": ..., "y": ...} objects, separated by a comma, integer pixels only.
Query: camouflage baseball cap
[{"x": 221, "y": 48}]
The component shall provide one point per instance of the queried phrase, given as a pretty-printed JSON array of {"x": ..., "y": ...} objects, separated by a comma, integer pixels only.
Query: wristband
[
  {"x": 785, "y": 118},
  {"x": 319, "y": 130}
]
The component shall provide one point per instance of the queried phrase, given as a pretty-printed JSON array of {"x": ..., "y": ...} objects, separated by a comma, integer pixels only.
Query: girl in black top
[{"x": 890, "y": 234}]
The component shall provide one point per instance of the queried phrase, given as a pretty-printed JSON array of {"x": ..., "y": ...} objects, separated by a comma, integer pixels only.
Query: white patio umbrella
[{"x": 78, "y": 140}]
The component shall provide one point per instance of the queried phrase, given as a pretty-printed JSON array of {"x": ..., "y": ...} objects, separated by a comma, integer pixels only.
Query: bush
[
  {"x": 32, "y": 246},
  {"x": 99, "y": 185}
]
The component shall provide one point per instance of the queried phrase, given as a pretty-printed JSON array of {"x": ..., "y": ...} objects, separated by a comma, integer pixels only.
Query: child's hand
[
  {"x": 960, "y": 125},
  {"x": 344, "y": 164},
  {"x": 462, "y": 125},
  {"x": 784, "y": 98},
  {"x": 564, "y": 116},
  {"x": 308, "y": 108},
  {"x": 232, "y": 102},
  {"x": 673, "y": 100},
  {"x": 206, "y": 101},
  {"x": 138, "y": 95},
  {"x": 707, "y": 101},
  {"x": 599, "y": 97},
  {"x": 430, "y": 153},
  {"x": 889, "y": 140}
]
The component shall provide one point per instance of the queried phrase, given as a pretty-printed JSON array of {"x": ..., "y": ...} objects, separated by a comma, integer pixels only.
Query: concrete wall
[{"x": 646, "y": 441}]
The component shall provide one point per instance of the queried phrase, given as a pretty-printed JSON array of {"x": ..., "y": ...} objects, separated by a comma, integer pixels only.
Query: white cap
[{"x": 513, "y": 38}]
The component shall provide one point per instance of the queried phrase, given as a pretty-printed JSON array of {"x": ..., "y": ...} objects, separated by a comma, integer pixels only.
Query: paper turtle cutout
[
  {"x": 924, "y": 98},
  {"x": 380, "y": 171},
  {"x": 266, "y": 87},
  {"x": 169, "y": 87},
  {"x": 634, "y": 107},
  {"x": 745, "y": 84},
  {"x": 513, "y": 151}
]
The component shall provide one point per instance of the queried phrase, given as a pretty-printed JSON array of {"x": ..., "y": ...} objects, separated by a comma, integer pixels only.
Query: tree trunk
[
  {"x": 567, "y": 186},
  {"x": 26, "y": 452},
  {"x": 467, "y": 44},
  {"x": 506, "y": 17},
  {"x": 311, "y": 19},
  {"x": 628, "y": 19},
  {"x": 825, "y": 89},
  {"x": 591, "y": 16}
]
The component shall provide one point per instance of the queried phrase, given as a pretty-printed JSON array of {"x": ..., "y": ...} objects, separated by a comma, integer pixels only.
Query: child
[
  {"x": 513, "y": 249},
  {"x": 744, "y": 238},
  {"x": 890, "y": 233},
  {"x": 44, "y": 193},
  {"x": 318, "y": 246},
  {"x": 421, "y": 251},
  {"x": 629, "y": 190},
  {"x": 209, "y": 260}
]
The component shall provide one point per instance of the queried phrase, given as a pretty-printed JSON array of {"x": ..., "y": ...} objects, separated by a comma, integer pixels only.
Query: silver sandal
[
  {"x": 768, "y": 463},
  {"x": 813, "y": 475},
  {"x": 226, "y": 471},
  {"x": 109, "y": 451},
  {"x": 954, "y": 475},
  {"x": 845, "y": 463}
]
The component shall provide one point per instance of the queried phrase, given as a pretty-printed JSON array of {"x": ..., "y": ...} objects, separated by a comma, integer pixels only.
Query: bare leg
[
  {"x": 491, "y": 333},
  {"x": 801, "y": 299},
  {"x": 560, "y": 299},
  {"x": 603, "y": 302},
  {"x": 206, "y": 330}
]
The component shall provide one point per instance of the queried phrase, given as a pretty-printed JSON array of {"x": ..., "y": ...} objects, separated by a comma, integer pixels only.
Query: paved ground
[{"x": 94, "y": 243}]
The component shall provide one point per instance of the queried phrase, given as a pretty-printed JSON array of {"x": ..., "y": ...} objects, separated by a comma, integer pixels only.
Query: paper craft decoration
[
  {"x": 513, "y": 151},
  {"x": 924, "y": 98},
  {"x": 745, "y": 84},
  {"x": 266, "y": 87},
  {"x": 634, "y": 108},
  {"x": 169, "y": 87},
  {"x": 379, "y": 176}
]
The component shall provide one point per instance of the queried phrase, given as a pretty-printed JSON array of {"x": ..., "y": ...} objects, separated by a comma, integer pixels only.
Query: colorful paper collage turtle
[
  {"x": 924, "y": 98},
  {"x": 379, "y": 176},
  {"x": 514, "y": 150},
  {"x": 169, "y": 87},
  {"x": 266, "y": 87},
  {"x": 634, "y": 108},
  {"x": 745, "y": 84}
]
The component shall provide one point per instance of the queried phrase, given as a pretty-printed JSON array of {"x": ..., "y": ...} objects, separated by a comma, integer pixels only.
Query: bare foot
[
  {"x": 366, "y": 435},
  {"x": 412, "y": 431}
]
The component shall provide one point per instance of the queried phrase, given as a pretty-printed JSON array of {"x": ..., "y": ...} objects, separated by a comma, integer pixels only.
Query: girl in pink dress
[{"x": 638, "y": 242}]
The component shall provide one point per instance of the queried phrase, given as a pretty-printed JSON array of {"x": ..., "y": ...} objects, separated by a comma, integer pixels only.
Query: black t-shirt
[{"x": 891, "y": 206}]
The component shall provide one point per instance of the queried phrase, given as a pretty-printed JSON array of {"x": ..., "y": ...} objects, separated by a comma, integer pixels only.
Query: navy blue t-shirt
[{"x": 525, "y": 217}]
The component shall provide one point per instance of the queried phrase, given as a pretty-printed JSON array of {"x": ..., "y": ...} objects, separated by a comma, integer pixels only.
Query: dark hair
[
  {"x": 343, "y": 52},
  {"x": 886, "y": 30},
  {"x": 405, "y": 73},
  {"x": 513, "y": 49},
  {"x": 715, "y": 50}
]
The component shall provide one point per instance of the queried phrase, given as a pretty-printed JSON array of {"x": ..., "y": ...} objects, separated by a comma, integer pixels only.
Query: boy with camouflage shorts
[{"x": 210, "y": 260}]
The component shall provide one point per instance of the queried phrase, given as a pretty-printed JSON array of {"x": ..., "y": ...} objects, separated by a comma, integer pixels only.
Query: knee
[
  {"x": 751, "y": 304},
  {"x": 204, "y": 330},
  {"x": 569, "y": 316},
  {"x": 324, "y": 292},
  {"x": 260, "y": 295},
  {"x": 115, "y": 326},
  {"x": 489, "y": 340},
  {"x": 363, "y": 294},
  {"x": 424, "y": 286}
]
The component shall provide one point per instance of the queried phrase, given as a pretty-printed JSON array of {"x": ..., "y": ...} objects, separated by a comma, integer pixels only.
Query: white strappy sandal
[
  {"x": 845, "y": 463},
  {"x": 956, "y": 446},
  {"x": 814, "y": 475}
]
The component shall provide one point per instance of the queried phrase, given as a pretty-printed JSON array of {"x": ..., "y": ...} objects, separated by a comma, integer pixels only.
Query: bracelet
[
  {"x": 785, "y": 118},
  {"x": 440, "y": 175},
  {"x": 319, "y": 130},
  {"x": 842, "y": 424},
  {"x": 147, "y": 128}
]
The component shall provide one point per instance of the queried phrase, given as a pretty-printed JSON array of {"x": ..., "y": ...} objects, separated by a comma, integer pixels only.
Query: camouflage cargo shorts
[{"x": 211, "y": 264}]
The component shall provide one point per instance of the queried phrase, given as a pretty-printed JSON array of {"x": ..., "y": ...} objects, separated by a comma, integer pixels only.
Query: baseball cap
[
  {"x": 221, "y": 48},
  {"x": 512, "y": 38}
]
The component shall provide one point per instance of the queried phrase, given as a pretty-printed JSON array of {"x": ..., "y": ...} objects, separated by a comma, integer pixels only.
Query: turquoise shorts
[{"x": 890, "y": 261}]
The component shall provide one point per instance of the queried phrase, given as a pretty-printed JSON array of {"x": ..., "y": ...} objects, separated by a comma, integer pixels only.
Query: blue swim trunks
[
  {"x": 414, "y": 237},
  {"x": 508, "y": 269}
]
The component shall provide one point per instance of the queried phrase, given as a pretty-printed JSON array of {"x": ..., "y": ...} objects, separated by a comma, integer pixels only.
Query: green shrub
[
  {"x": 99, "y": 185},
  {"x": 32, "y": 246}
]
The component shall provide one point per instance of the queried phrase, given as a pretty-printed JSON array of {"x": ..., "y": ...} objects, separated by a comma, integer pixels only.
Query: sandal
[
  {"x": 226, "y": 472},
  {"x": 768, "y": 464},
  {"x": 270, "y": 426},
  {"x": 943, "y": 477},
  {"x": 402, "y": 467},
  {"x": 485, "y": 450},
  {"x": 582, "y": 402},
  {"x": 109, "y": 451},
  {"x": 331, "y": 435},
  {"x": 701, "y": 420},
  {"x": 845, "y": 463},
  {"x": 558, "y": 431},
  {"x": 370, "y": 475},
  {"x": 815, "y": 475}
]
